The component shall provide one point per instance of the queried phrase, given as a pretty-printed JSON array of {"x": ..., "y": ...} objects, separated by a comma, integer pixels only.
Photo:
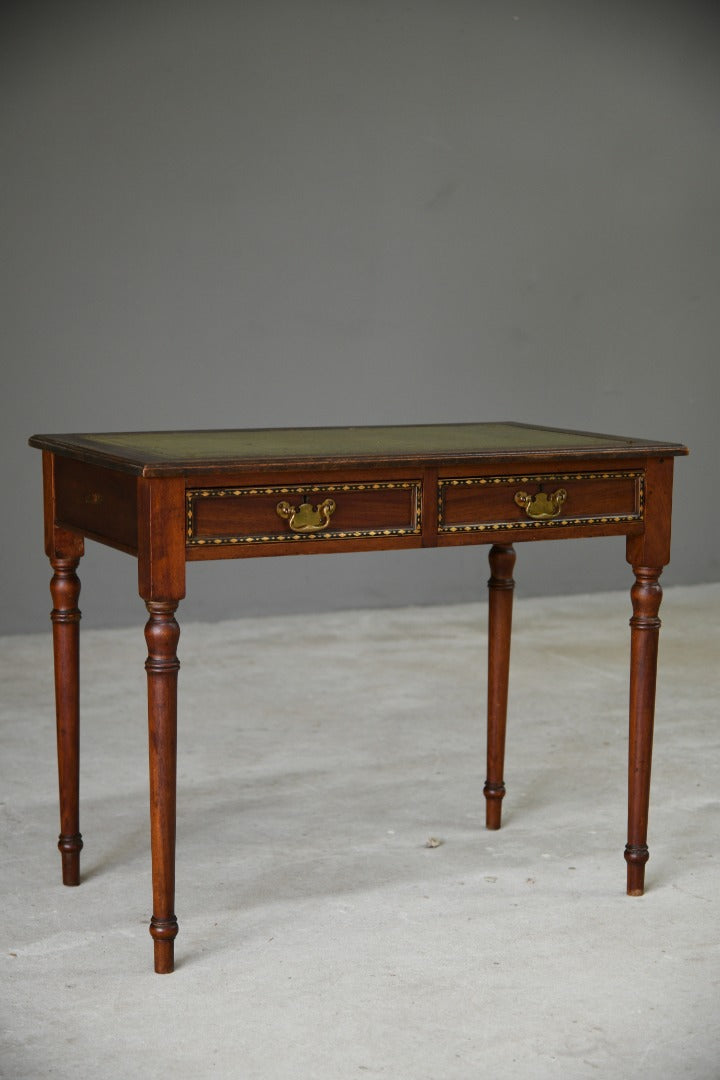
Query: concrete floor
[{"x": 319, "y": 936}]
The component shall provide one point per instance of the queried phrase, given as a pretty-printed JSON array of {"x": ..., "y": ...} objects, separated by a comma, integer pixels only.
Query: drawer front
[
  {"x": 303, "y": 513},
  {"x": 100, "y": 503},
  {"x": 540, "y": 501}
]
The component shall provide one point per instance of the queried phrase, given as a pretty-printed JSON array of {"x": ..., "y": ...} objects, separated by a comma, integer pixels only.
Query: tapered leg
[
  {"x": 646, "y": 595},
  {"x": 161, "y": 634},
  {"x": 500, "y": 585},
  {"x": 65, "y": 590}
]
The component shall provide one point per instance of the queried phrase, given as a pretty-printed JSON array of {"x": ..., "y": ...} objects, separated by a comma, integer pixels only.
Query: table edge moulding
[{"x": 171, "y": 497}]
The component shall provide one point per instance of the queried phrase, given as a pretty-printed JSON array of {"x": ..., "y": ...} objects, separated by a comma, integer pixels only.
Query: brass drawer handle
[
  {"x": 541, "y": 507},
  {"x": 307, "y": 518}
]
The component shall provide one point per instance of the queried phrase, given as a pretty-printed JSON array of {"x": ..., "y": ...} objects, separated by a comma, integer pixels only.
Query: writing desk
[{"x": 173, "y": 497}]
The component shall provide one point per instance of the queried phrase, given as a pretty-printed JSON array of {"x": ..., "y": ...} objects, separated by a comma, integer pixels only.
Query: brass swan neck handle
[
  {"x": 307, "y": 518},
  {"x": 542, "y": 506}
]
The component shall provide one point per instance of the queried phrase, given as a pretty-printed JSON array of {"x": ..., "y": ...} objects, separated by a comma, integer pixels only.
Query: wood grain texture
[
  {"x": 500, "y": 600},
  {"x": 646, "y": 595},
  {"x": 648, "y": 552},
  {"x": 65, "y": 549},
  {"x": 162, "y": 665},
  {"x": 98, "y": 502},
  {"x": 161, "y": 583},
  {"x": 65, "y": 615},
  {"x": 161, "y": 539},
  {"x": 651, "y": 546}
]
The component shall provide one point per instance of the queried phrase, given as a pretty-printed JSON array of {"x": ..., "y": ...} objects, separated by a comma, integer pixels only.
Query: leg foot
[
  {"x": 494, "y": 794},
  {"x": 70, "y": 848},
  {"x": 500, "y": 585},
  {"x": 636, "y": 857},
  {"x": 164, "y": 932}
]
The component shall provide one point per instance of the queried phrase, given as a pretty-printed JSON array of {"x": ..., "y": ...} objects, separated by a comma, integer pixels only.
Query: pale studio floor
[{"x": 319, "y": 936}]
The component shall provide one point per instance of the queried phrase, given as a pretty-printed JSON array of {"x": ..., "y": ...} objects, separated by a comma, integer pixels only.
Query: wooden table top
[{"x": 182, "y": 453}]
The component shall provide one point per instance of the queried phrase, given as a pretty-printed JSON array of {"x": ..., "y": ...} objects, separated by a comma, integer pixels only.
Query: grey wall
[{"x": 341, "y": 211}]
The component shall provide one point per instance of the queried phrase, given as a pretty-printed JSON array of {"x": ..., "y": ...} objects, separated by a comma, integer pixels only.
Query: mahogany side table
[{"x": 171, "y": 497}]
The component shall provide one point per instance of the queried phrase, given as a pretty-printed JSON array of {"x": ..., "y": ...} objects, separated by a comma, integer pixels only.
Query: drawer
[
  {"x": 540, "y": 501},
  {"x": 303, "y": 513},
  {"x": 99, "y": 503}
]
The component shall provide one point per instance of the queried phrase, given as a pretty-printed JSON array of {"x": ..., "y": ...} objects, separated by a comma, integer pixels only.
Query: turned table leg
[
  {"x": 161, "y": 634},
  {"x": 65, "y": 616},
  {"x": 500, "y": 597},
  {"x": 646, "y": 595},
  {"x": 161, "y": 584}
]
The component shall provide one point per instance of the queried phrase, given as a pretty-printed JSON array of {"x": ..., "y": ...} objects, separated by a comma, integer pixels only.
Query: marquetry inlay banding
[
  {"x": 567, "y": 519},
  {"x": 298, "y": 492}
]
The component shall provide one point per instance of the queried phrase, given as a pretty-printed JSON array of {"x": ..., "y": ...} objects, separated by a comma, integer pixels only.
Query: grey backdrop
[{"x": 280, "y": 212}]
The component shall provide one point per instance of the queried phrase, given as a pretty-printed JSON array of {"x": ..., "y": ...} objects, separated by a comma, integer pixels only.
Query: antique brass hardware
[
  {"x": 307, "y": 518},
  {"x": 541, "y": 507}
]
